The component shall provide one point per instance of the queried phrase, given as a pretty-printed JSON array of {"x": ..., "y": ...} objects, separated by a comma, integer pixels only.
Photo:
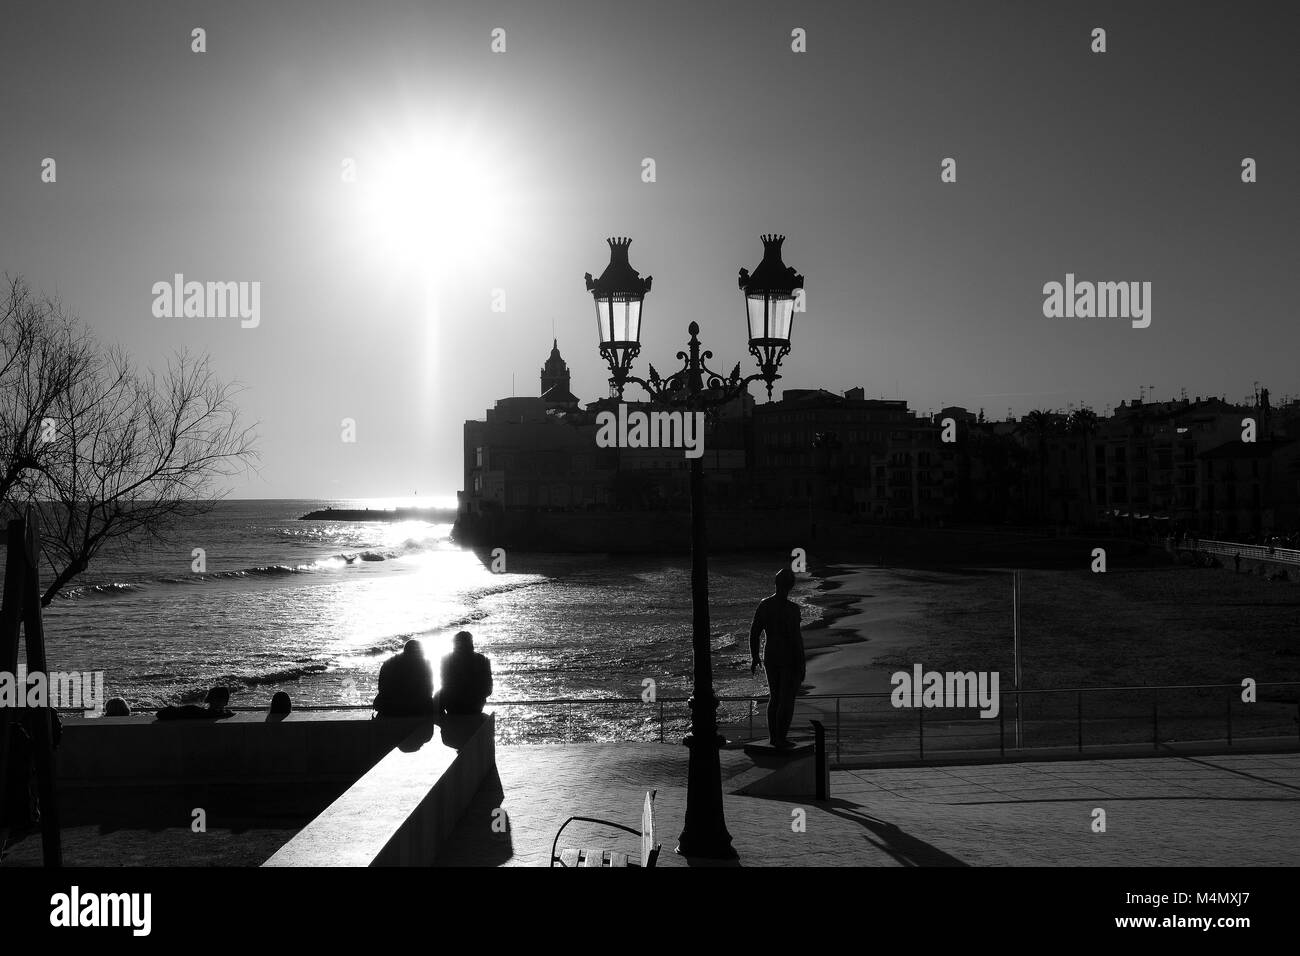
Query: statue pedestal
[
  {"x": 778, "y": 771},
  {"x": 762, "y": 750}
]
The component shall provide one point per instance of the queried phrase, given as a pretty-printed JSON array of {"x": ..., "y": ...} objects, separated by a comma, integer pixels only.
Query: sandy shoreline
[
  {"x": 867, "y": 613},
  {"x": 1141, "y": 626}
]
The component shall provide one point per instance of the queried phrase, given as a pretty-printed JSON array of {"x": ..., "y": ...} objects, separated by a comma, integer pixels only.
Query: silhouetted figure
[
  {"x": 281, "y": 705},
  {"x": 214, "y": 708},
  {"x": 783, "y": 655},
  {"x": 20, "y": 810},
  {"x": 405, "y": 684},
  {"x": 466, "y": 678},
  {"x": 117, "y": 707},
  {"x": 1236, "y": 560}
]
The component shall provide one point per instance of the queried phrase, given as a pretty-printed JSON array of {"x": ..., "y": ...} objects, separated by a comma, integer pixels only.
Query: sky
[{"x": 487, "y": 178}]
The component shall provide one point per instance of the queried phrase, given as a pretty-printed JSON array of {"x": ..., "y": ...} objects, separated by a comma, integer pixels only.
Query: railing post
[
  {"x": 661, "y": 721},
  {"x": 920, "y": 730},
  {"x": 837, "y": 730},
  {"x": 1002, "y": 729},
  {"x": 751, "y": 718},
  {"x": 1229, "y": 716},
  {"x": 1080, "y": 720},
  {"x": 819, "y": 759}
]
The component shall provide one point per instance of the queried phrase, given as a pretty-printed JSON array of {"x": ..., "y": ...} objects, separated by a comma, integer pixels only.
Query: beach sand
[
  {"x": 869, "y": 615},
  {"x": 1138, "y": 627}
]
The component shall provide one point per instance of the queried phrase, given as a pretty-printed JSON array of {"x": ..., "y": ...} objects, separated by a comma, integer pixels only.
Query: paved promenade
[{"x": 1234, "y": 810}]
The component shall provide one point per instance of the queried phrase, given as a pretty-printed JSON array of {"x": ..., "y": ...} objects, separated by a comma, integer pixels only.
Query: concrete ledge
[
  {"x": 131, "y": 766},
  {"x": 403, "y": 809},
  {"x": 125, "y": 749}
]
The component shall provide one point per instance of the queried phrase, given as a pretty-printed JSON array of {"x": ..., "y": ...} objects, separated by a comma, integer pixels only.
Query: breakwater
[{"x": 443, "y": 515}]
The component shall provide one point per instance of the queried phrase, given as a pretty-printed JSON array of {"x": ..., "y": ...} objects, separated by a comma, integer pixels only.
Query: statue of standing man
[{"x": 783, "y": 657}]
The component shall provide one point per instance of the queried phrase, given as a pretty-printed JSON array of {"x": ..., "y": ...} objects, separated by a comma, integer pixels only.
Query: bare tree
[
  {"x": 108, "y": 453},
  {"x": 42, "y": 353}
]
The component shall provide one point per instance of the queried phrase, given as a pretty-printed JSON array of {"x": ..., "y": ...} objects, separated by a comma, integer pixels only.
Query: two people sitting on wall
[
  {"x": 406, "y": 682},
  {"x": 214, "y": 708}
]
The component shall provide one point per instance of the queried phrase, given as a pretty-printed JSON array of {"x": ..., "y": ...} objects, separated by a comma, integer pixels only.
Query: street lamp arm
[
  {"x": 655, "y": 391},
  {"x": 733, "y": 384},
  {"x": 676, "y": 388}
]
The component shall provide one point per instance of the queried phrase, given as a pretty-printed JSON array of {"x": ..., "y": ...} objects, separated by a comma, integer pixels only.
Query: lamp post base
[
  {"x": 716, "y": 848},
  {"x": 705, "y": 832}
]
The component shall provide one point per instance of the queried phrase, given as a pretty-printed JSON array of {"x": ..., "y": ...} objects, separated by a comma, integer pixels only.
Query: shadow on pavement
[
  {"x": 475, "y": 841},
  {"x": 904, "y": 848}
]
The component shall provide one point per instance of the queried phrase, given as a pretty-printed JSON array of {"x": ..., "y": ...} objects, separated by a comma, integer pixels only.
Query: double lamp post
[{"x": 769, "y": 293}]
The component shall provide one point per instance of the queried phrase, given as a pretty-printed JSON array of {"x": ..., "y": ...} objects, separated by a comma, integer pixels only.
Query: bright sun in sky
[{"x": 432, "y": 201}]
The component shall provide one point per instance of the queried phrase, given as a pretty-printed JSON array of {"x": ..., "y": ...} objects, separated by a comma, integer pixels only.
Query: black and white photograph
[{"x": 925, "y": 493}]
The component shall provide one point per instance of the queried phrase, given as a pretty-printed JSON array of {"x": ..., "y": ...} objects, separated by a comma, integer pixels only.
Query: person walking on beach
[
  {"x": 466, "y": 678},
  {"x": 783, "y": 655}
]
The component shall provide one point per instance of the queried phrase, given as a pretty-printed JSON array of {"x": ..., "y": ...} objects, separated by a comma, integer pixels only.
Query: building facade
[{"x": 1177, "y": 466}]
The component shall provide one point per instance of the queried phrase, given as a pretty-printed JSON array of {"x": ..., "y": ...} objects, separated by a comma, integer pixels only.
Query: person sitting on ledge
[
  {"x": 215, "y": 708},
  {"x": 117, "y": 707},
  {"x": 466, "y": 678},
  {"x": 405, "y": 684},
  {"x": 281, "y": 705}
]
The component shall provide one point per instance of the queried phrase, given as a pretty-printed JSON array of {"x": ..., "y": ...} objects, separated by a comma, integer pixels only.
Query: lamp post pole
[
  {"x": 704, "y": 832},
  {"x": 769, "y": 294}
]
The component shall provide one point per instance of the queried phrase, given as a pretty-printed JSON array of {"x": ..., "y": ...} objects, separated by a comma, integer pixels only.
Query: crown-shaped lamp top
[
  {"x": 772, "y": 275},
  {"x": 619, "y": 278}
]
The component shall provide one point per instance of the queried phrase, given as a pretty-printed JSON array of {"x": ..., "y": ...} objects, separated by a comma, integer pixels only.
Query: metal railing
[
  {"x": 1259, "y": 552},
  {"x": 868, "y": 726}
]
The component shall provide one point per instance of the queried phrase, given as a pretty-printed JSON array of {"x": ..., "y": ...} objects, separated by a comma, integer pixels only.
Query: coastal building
[
  {"x": 555, "y": 381},
  {"x": 536, "y": 453},
  {"x": 1175, "y": 465},
  {"x": 541, "y": 454},
  {"x": 1139, "y": 464},
  {"x": 1251, "y": 489},
  {"x": 984, "y": 469},
  {"x": 873, "y": 459},
  {"x": 1147, "y": 457}
]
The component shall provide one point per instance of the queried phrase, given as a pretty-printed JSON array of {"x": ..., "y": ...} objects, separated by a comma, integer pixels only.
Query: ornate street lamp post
[
  {"x": 769, "y": 295},
  {"x": 769, "y": 308}
]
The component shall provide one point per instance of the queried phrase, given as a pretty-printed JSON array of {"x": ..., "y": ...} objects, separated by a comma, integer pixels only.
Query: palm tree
[
  {"x": 1083, "y": 424},
  {"x": 1041, "y": 424}
]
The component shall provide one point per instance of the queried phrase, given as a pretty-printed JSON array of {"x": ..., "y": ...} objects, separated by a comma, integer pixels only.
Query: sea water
[{"x": 314, "y": 607}]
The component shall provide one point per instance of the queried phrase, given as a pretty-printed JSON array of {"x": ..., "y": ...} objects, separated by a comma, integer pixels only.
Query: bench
[{"x": 598, "y": 857}]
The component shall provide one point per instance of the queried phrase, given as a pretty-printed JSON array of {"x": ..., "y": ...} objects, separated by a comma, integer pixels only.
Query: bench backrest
[{"x": 649, "y": 848}]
